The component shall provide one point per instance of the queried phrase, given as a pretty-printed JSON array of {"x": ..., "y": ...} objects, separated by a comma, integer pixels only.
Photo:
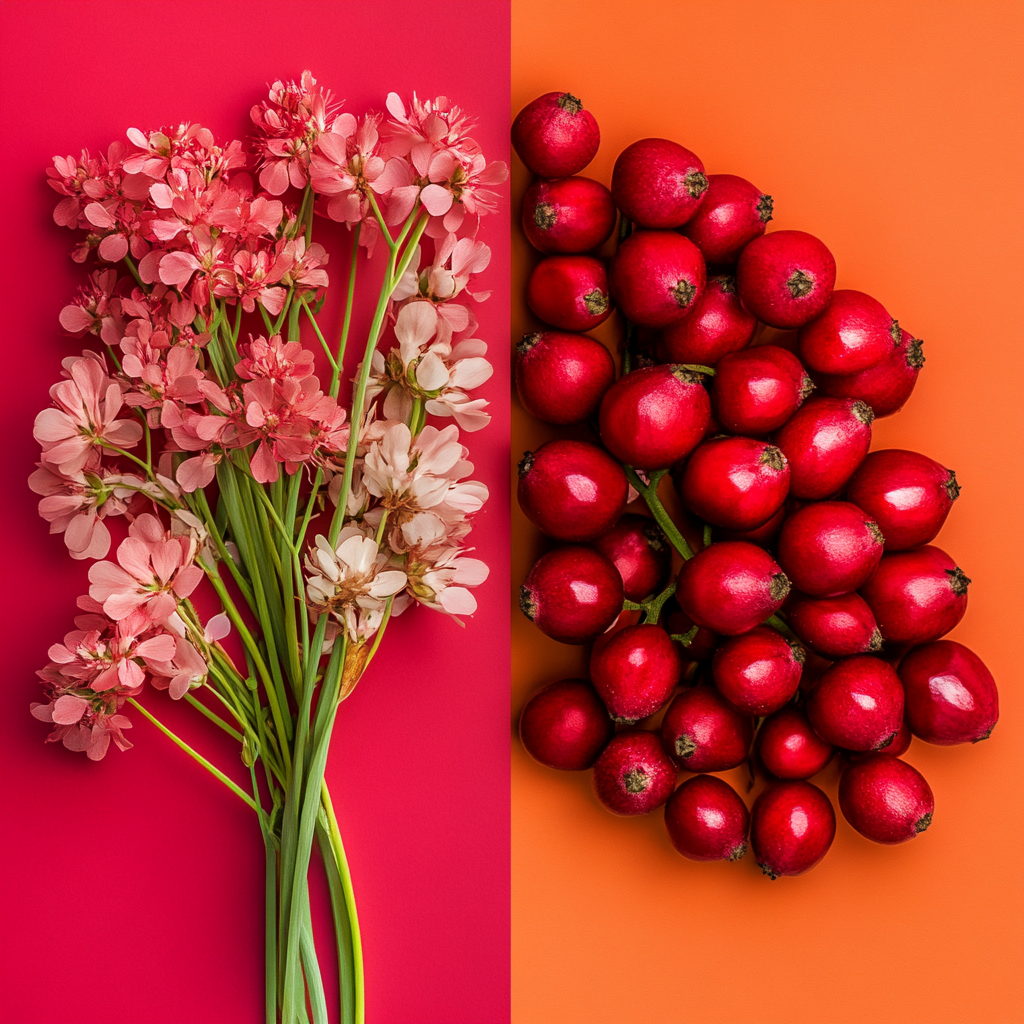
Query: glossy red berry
[
  {"x": 951, "y": 696},
  {"x": 707, "y": 820},
  {"x": 887, "y": 385},
  {"x": 885, "y": 799},
  {"x": 731, "y": 587},
  {"x": 897, "y": 748},
  {"x": 565, "y": 725},
  {"x": 789, "y": 748},
  {"x": 641, "y": 554},
  {"x": 786, "y": 278},
  {"x": 703, "y": 732},
  {"x": 554, "y": 136},
  {"x": 571, "y": 490},
  {"x": 857, "y": 704},
  {"x": 570, "y": 292},
  {"x": 792, "y": 826},
  {"x": 732, "y": 213},
  {"x": 735, "y": 482},
  {"x": 906, "y": 493},
  {"x": 657, "y": 277},
  {"x": 562, "y": 377},
  {"x": 568, "y": 215},
  {"x": 917, "y": 596},
  {"x": 834, "y": 627},
  {"x": 652, "y": 418},
  {"x": 635, "y": 671},
  {"x": 853, "y": 333},
  {"x": 829, "y": 548},
  {"x": 717, "y": 325},
  {"x": 634, "y": 775},
  {"x": 758, "y": 672},
  {"x": 572, "y": 594},
  {"x": 657, "y": 183},
  {"x": 825, "y": 441},
  {"x": 757, "y": 390}
]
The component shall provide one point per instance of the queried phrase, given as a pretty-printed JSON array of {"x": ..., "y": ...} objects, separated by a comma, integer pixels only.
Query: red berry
[
  {"x": 707, "y": 820},
  {"x": 657, "y": 277},
  {"x": 571, "y": 490},
  {"x": 703, "y": 732},
  {"x": 562, "y": 377},
  {"x": 763, "y": 535},
  {"x": 825, "y": 442},
  {"x": 732, "y": 213},
  {"x": 572, "y": 594},
  {"x": 568, "y": 215},
  {"x": 658, "y": 184},
  {"x": 887, "y": 385},
  {"x": 554, "y": 136},
  {"x": 917, "y": 596},
  {"x": 716, "y": 326},
  {"x": 857, "y": 704},
  {"x": 731, "y": 587},
  {"x": 897, "y": 748},
  {"x": 654, "y": 417},
  {"x": 951, "y": 695},
  {"x": 834, "y": 627},
  {"x": 565, "y": 725},
  {"x": 641, "y": 554},
  {"x": 829, "y": 548},
  {"x": 789, "y": 748},
  {"x": 906, "y": 493},
  {"x": 735, "y": 482},
  {"x": 757, "y": 390},
  {"x": 854, "y": 333},
  {"x": 792, "y": 826},
  {"x": 786, "y": 278},
  {"x": 885, "y": 799},
  {"x": 634, "y": 775},
  {"x": 758, "y": 672},
  {"x": 635, "y": 671},
  {"x": 570, "y": 292}
]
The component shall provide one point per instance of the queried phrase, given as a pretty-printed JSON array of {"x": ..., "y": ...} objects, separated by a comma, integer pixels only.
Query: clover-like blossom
[
  {"x": 154, "y": 571},
  {"x": 96, "y": 309},
  {"x": 351, "y": 581},
  {"x": 426, "y": 366},
  {"x": 84, "y": 724},
  {"x": 438, "y": 570},
  {"x": 85, "y": 419}
]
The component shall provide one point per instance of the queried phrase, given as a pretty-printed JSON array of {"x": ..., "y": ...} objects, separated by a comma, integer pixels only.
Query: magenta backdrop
[{"x": 132, "y": 888}]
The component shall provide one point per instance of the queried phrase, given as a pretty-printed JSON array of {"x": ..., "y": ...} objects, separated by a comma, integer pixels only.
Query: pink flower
[
  {"x": 304, "y": 273},
  {"x": 287, "y": 128},
  {"x": 158, "y": 375},
  {"x": 76, "y": 505},
  {"x": 153, "y": 573},
  {"x": 179, "y": 671},
  {"x": 255, "y": 279},
  {"x": 95, "y": 309},
  {"x": 274, "y": 360},
  {"x": 85, "y": 419},
  {"x": 85, "y": 725}
]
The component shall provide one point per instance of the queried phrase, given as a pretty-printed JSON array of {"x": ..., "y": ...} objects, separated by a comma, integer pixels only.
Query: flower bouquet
[{"x": 199, "y": 422}]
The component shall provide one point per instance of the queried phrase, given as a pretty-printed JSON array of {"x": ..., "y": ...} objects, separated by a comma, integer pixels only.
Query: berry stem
[
  {"x": 776, "y": 623},
  {"x": 650, "y": 495}
]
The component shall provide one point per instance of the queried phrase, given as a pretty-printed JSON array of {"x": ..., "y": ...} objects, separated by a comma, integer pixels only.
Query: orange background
[{"x": 893, "y": 132}]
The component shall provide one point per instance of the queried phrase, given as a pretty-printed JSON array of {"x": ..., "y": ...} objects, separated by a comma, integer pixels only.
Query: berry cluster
[{"x": 807, "y": 614}]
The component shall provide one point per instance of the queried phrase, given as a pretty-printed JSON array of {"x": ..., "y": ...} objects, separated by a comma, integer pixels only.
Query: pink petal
[{"x": 69, "y": 709}]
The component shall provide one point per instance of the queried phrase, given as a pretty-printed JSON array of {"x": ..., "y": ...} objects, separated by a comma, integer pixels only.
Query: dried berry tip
[
  {"x": 923, "y": 822},
  {"x": 875, "y": 643},
  {"x": 897, "y": 334},
  {"x": 800, "y": 284},
  {"x": 863, "y": 412},
  {"x": 806, "y": 387},
  {"x": 952, "y": 487},
  {"x": 876, "y": 531},
  {"x": 596, "y": 302},
  {"x": 915, "y": 354},
  {"x": 525, "y": 464},
  {"x": 681, "y": 373},
  {"x": 726, "y": 284},
  {"x": 528, "y": 341},
  {"x": 696, "y": 184},
  {"x": 636, "y": 780},
  {"x": 569, "y": 103},
  {"x": 799, "y": 652},
  {"x": 773, "y": 458},
  {"x": 683, "y": 293},
  {"x": 526, "y": 603},
  {"x": 738, "y": 852},
  {"x": 685, "y": 746},
  {"x": 958, "y": 580},
  {"x": 779, "y": 586},
  {"x": 544, "y": 216},
  {"x": 765, "y": 208}
]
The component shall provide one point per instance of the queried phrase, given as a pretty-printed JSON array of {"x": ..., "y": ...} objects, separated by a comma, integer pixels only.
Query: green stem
[
  {"x": 320, "y": 337},
  {"x": 347, "y": 322},
  {"x": 776, "y": 623},
  {"x": 216, "y": 719},
  {"x": 216, "y": 772},
  {"x": 650, "y": 495}
]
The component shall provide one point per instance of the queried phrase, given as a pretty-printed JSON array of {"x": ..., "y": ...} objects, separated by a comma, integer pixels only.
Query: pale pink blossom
[
  {"x": 183, "y": 669},
  {"x": 351, "y": 581},
  {"x": 153, "y": 573},
  {"x": 85, "y": 419},
  {"x": 95, "y": 309}
]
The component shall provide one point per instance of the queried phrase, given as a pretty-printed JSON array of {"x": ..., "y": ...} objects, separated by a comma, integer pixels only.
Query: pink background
[{"x": 133, "y": 888}]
